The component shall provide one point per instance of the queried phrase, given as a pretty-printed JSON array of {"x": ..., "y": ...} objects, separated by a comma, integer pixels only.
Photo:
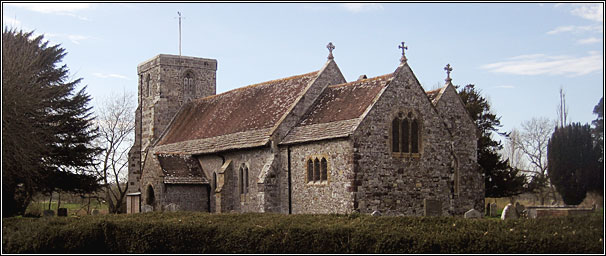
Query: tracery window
[
  {"x": 148, "y": 85},
  {"x": 189, "y": 87},
  {"x": 405, "y": 135}
]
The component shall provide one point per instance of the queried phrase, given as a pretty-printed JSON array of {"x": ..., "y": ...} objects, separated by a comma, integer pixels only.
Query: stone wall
[
  {"x": 188, "y": 197},
  {"x": 394, "y": 185},
  {"x": 331, "y": 196},
  {"x": 161, "y": 92},
  {"x": 470, "y": 192},
  {"x": 232, "y": 200}
]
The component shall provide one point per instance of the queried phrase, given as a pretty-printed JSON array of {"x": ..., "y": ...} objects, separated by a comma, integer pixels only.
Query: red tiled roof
[
  {"x": 254, "y": 107},
  {"x": 337, "y": 111},
  {"x": 345, "y": 101}
]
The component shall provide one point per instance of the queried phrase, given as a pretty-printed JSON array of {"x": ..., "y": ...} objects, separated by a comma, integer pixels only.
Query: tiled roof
[
  {"x": 434, "y": 95},
  {"x": 253, "y": 109},
  {"x": 338, "y": 110},
  {"x": 181, "y": 169}
]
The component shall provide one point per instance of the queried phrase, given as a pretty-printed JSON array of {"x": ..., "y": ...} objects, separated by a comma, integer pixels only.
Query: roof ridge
[
  {"x": 360, "y": 81},
  {"x": 256, "y": 85}
]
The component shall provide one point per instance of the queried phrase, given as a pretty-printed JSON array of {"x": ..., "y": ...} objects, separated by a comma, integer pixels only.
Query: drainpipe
[{"x": 289, "y": 184}]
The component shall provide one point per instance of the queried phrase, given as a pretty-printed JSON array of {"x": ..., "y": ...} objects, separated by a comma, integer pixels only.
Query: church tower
[{"x": 166, "y": 82}]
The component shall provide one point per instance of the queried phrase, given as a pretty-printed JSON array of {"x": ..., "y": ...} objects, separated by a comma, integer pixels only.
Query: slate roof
[
  {"x": 243, "y": 117},
  {"x": 338, "y": 110}
]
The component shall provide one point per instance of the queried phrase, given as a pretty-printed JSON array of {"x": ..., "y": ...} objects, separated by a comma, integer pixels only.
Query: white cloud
[
  {"x": 358, "y": 7},
  {"x": 590, "y": 11},
  {"x": 576, "y": 29},
  {"x": 68, "y": 9},
  {"x": 505, "y": 86},
  {"x": 101, "y": 75},
  {"x": 590, "y": 40},
  {"x": 52, "y": 7},
  {"x": 10, "y": 22},
  {"x": 76, "y": 39},
  {"x": 540, "y": 64}
]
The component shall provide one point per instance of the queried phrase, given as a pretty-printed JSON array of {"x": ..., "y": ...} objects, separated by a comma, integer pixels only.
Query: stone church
[{"x": 309, "y": 143}]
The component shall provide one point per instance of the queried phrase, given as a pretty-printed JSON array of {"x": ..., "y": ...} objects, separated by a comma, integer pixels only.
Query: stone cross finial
[
  {"x": 448, "y": 69},
  {"x": 403, "y": 59},
  {"x": 330, "y": 47}
]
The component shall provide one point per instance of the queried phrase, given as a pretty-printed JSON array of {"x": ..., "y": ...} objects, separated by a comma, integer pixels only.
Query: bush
[{"x": 187, "y": 232}]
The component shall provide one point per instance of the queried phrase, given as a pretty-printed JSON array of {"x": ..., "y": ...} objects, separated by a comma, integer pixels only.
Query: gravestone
[
  {"x": 172, "y": 207},
  {"x": 376, "y": 213},
  {"x": 48, "y": 213},
  {"x": 509, "y": 212},
  {"x": 493, "y": 210},
  {"x": 473, "y": 214},
  {"x": 520, "y": 209},
  {"x": 62, "y": 212},
  {"x": 432, "y": 207},
  {"x": 147, "y": 208}
]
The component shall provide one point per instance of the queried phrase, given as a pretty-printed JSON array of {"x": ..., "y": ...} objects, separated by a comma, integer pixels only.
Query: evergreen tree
[
  {"x": 597, "y": 184},
  {"x": 500, "y": 178},
  {"x": 46, "y": 124},
  {"x": 573, "y": 161}
]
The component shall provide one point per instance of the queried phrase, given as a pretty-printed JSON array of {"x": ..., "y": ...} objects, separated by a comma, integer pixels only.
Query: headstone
[
  {"x": 493, "y": 210},
  {"x": 95, "y": 212},
  {"x": 172, "y": 207},
  {"x": 509, "y": 212},
  {"x": 473, "y": 214},
  {"x": 147, "y": 208},
  {"x": 376, "y": 213},
  {"x": 48, "y": 213},
  {"x": 62, "y": 212},
  {"x": 432, "y": 207},
  {"x": 520, "y": 209}
]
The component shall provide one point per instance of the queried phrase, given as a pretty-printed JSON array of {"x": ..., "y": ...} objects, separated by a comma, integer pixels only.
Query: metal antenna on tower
[{"x": 179, "y": 33}]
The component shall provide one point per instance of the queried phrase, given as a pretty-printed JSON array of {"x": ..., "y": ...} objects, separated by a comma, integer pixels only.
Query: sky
[{"x": 518, "y": 55}]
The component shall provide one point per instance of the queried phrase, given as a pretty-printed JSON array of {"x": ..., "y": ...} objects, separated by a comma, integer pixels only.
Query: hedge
[{"x": 187, "y": 232}]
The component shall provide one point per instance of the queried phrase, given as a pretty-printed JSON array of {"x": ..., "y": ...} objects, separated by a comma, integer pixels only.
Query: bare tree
[
  {"x": 512, "y": 151},
  {"x": 562, "y": 110},
  {"x": 116, "y": 128},
  {"x": 533, "y": 139}
]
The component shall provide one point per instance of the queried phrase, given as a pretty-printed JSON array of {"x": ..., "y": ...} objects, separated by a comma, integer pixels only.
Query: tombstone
[
  {"x": 493, "y": 210},
  {"x": 172, "y": 207},
  {"x": 95, "y": 212},
  {"x": 376, "y": 213},
  {"x": 62, "y": 212},
  {"x": 520, "y": 209},
  {"x": 48, "y": 213},
  {"x": 147, "y": 208},
  {"x": 473, "y": 214},
  {"x": 432, "y": 207},
  {"x": 509, "y": 212}
]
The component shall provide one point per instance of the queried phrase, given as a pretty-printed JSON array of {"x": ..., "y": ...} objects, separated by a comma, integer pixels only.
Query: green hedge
[{"x": 185, "y": 232}]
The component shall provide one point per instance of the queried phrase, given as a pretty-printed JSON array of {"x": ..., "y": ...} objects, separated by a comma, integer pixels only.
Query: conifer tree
[
  {"x": 500, "y": 178},
  {"x": 47, "y": 126},
  {"x": 573, "y": 162}
]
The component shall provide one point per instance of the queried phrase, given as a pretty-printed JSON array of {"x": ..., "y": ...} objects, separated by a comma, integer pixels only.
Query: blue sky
[{"x": 518, "y": 54}]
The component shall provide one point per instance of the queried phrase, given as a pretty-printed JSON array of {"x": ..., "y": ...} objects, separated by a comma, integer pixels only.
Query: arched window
[
  {"x": 189, "y": 87},
  {"x": 405, "y": 136},
  {"x": 148, "y": 85},
  {"x": 395, "y": 135},
  {"x": 141, "y": 89},
  {"x": 240, "y": 181},
  {"x": 310, "y": 170},
  {"x": 324, "y": 169},
  {"x": 245, "y": 180},
  {"x": 316, "y": 169},
  {"x": 214, "y": 180},
  {"x": 150, "y": 198},
  {"x": 414, "y": 134}
]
